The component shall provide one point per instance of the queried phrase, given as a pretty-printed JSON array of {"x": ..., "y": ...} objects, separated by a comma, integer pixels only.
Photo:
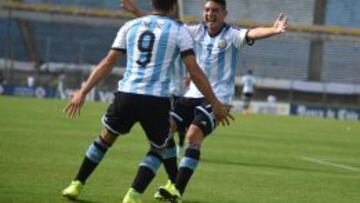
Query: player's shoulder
[
  {"x": 195, "y": 28},
  {"x": 235, "y": 27},
  {"x": 179, "y": 22},
  {"x": 197, "y": 25},
  {"x": 236, "y": 32},
  {"x": 133, "y": 22},
  {"x": 176, "y": 23},
  {"x": 171, "y": 20}
]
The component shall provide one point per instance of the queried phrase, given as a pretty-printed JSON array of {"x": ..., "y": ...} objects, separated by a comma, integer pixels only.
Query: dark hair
[
  {"x": 163, "y": 5},
  {"x": 220, "y": 2}
]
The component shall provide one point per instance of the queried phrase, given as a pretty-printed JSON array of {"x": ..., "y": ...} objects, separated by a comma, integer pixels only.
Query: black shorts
[
  {"x": 248, "y": 95},
  {"x": 187, "y": 111},
  {"x": 150, "y": 111}
]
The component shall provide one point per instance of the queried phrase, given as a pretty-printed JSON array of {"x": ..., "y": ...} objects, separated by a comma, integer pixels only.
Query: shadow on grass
[
  {"x": 262, "y": 165},
  {"x": 81, "y": 201}
]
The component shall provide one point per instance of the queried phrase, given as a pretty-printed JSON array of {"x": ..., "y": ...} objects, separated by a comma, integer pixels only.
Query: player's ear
[{"x": 225, "y": 12}]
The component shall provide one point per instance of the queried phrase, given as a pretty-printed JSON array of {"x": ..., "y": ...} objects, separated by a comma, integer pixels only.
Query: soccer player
[
  {"x": 151, "y": 43},
  {"x": 217, "y": 47},
  {"x": 179, "y": 84},
  {"x": 178, "y": 87},
  {"x": 248, "y": 82}
]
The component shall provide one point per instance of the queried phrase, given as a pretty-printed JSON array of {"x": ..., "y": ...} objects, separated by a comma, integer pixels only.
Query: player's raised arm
[
  {"x": 279, "y": 26},
  {"x": 102, "y": 69},
  {"x": 131, "y": 7}
]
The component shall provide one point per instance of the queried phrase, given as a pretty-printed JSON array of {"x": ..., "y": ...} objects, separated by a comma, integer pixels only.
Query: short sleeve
[
  {"x": 120, "y": 40},
  {"x": 193, "y": 29},
  {"x": 238, "y": 36},
  {"x": 184, "y": 39}
]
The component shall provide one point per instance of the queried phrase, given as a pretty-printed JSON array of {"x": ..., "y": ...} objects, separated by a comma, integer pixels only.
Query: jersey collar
[{"x": 224, "y": 27}]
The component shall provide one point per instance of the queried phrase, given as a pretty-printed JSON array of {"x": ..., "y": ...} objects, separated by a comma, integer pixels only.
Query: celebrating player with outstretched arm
[
  {"x": 151, "y": 44},
  {"x": 217, "y": 46}
]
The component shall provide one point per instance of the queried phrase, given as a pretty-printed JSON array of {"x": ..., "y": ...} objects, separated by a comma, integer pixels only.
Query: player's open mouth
[{"x": 211, "y": 19}]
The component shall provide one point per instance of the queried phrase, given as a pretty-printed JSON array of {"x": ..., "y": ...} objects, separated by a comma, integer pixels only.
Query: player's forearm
[
  {"x": 199, "y": 78},
  {"x": 202, "y": 83},
  {"x": 261, "y": 33},
  {"x": 139, "y": 13},
  {"x": 101, "y": 70},
  {"x": 96, "y": 75},
  {"x": 132, "y": 7}
]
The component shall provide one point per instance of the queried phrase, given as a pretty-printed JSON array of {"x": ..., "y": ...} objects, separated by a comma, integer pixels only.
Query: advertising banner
[
  {"x": 325, "y": 112},
  {"x": 52, "y": 92},
  {"x": 273, "y": 108},
  {"x": 38, "y": 92}
]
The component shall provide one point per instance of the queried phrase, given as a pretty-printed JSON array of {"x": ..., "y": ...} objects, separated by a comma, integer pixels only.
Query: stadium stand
[{"x": 278, "y": 59}]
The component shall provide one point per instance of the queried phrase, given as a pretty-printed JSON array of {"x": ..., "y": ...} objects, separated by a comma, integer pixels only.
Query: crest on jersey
[{"x": 222, "y": 44}]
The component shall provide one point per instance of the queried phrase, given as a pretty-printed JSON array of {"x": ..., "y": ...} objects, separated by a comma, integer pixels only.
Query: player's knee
[
  {"x": 173, "y": 126},
  {"x": 108, "y": 137},
  {"x": 194, "y": 135},
  {"x": 156, "y": 150}
]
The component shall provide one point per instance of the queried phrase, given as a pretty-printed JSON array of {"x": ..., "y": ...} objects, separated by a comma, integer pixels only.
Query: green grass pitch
[{"x": 258, "y": 159}]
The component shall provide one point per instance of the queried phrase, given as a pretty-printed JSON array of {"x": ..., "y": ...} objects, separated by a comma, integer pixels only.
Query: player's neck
[
  {"x": 160, "y": 13},
  {"x": 214, "y": 31}
]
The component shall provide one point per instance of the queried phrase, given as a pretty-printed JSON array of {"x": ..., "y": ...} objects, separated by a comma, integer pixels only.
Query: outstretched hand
[
  {"x": 222, "y": 114},
  {"x": 281, "y": 23},
  {"x": 74, "y": 106}
]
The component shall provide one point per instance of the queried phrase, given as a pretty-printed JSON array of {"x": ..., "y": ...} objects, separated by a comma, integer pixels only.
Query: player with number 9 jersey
[{"x": 152, "y": 42}]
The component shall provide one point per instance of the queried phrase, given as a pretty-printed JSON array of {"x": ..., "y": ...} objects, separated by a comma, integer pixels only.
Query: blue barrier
[
  {"x": 325, "y": 112},
  {"x": 39, "y": 92},
  {"x": 52, "y": 92}
]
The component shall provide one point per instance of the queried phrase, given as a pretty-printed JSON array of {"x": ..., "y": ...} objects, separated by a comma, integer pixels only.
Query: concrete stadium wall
[{"x": 264, "y": 11}]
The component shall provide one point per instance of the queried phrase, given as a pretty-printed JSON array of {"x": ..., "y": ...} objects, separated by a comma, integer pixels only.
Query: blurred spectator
[
  {"x": 271, "y": 104},
  {"x": 2, "y": 79},
  {"x": 1, "y": 83},
  {"x": 30, "y": 81},
  {"x": 248, "y": 82},
  {"x": 61, "y": 86},
  {"x": 271, "y": 99}
]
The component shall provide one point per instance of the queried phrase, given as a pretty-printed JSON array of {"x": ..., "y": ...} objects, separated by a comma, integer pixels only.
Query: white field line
[{"x": 322, "y": 162}]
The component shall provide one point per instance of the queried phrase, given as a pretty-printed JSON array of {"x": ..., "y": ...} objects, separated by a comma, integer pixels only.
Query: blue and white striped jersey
[
  {"x": 177, "y": 86},
  {"x": 152, "y": 44},
  {"x": 218, "y": 57}
]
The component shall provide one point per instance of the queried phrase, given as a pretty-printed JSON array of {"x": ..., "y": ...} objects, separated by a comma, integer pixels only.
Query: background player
[{"x": 248, "y": 81}]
